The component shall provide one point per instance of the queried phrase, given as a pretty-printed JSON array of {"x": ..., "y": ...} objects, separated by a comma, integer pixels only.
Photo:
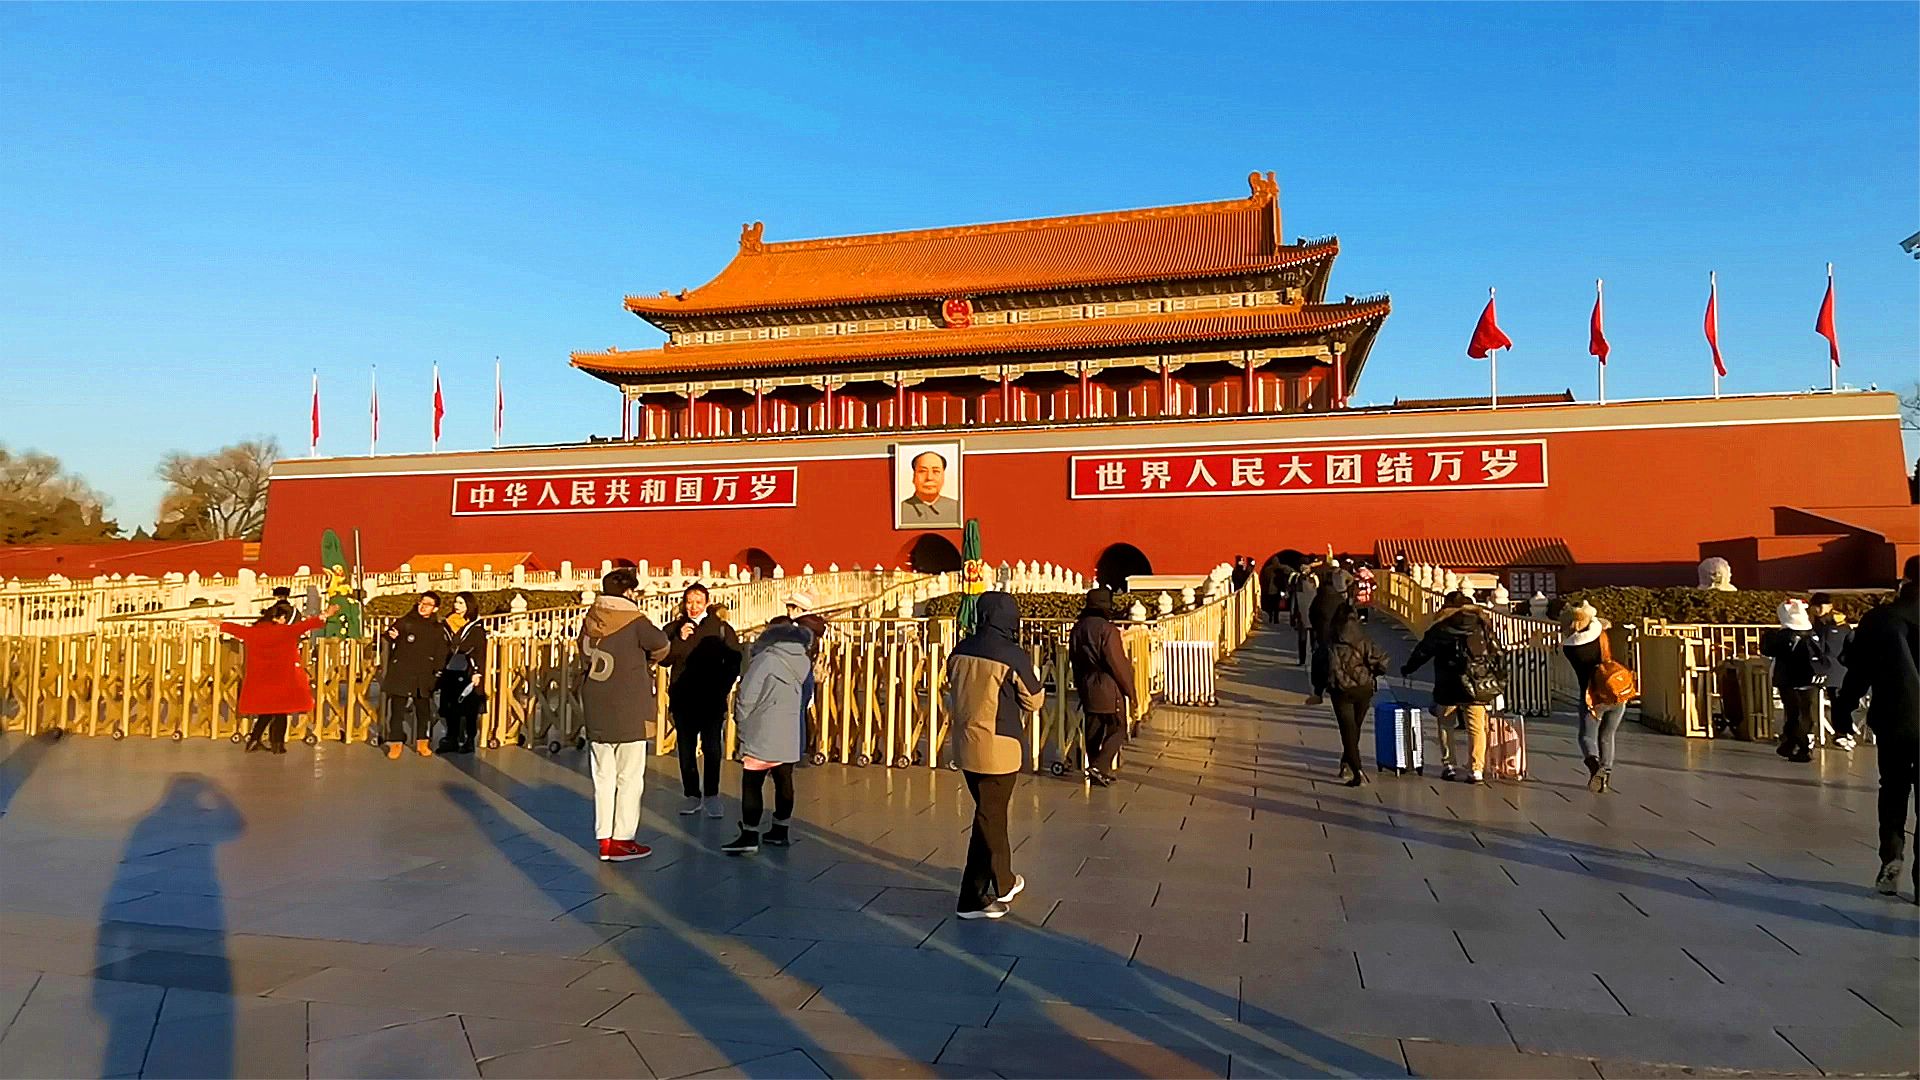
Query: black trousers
[
  {"x": 1306, "y": 641},
  {"x": 1802, "y": 713},
  {"x": 1106, "y": 733},
  {"x": 694, "y": 729},
  {"x": 270, "y": 729},
  {"x": 462, "y": 714},
  {"x": 420, "y": 706},
  {"x": 751, "y": 804},
  {"x": 989, "y": 855},
  {"x": 1350, "y": 711},
  {"x": 1899, "y": 769}
]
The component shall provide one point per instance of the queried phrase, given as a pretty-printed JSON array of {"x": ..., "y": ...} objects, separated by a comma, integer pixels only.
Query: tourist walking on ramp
[
  {"x": 1304, "y": 588},
  {"x": 992, "y": 687},
  {"x": 1799, "y": 674},
  {"x": 1363, "y": 582},
  {"x": 1831, "y": 628},
  {"x": 1330, "y": 596},
  {"x": 416, "y": 654},
  {"x": 274, "y": 685},
  {"x": 705, "y": 658},
  {"x": 620, "y": 647},
  {"x": 769, "y": 712},
  {"x": 1584, "y": 641},
  {"x": 463, "y": 679},
  {"x": 1469, "y": 673},
  {"x": 1103, "y": 679},
  {"x": 1883, "y": 659},
  {"x": 1354, "y": 666},
  {"x": 1273, "y": 588}
]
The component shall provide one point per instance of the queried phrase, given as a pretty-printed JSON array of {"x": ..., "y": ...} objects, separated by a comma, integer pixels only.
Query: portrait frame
[{"x": 910, "y": 511}]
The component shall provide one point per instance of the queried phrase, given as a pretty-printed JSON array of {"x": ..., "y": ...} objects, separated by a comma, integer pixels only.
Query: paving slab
[{"x": 426, "y": 1050}]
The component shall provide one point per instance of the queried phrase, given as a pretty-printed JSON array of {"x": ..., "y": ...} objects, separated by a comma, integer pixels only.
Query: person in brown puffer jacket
[
  {"x": 1103, "y": 678},
  {"x": 1354, "y": 664},
  {"x": 621, "y": 648}
]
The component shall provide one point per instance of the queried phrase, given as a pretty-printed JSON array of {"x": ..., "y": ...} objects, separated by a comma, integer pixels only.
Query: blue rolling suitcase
[{"x": 1396, "y": 736}]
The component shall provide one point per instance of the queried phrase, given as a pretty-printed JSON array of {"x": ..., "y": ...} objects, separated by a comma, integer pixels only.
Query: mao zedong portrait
[{"x": 927, "y": 506}]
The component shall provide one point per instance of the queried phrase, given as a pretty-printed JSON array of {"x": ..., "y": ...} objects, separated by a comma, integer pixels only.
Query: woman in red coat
[{"x": 275, "y": 683}]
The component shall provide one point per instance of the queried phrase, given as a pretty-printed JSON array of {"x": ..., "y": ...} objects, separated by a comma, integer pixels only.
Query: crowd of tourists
[{"x": 437, "y": 666}]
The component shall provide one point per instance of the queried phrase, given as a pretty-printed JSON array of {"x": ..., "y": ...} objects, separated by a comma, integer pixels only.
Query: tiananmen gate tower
[{"x": 1155, "y": 389}]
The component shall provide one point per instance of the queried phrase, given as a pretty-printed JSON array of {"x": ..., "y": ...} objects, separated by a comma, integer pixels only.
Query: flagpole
[
  {"x": 499, "y": 405},
  {"x": 373, "y": 413},
  {"x": 1713, "y": 297},
  {"x": 1598, "y": 296},
  {"x": 1833, "y": 366},
  {"x": 313, "y": 435},
  {"x": 435, "y": 445},
  {"x": 1493, "y": 366}
]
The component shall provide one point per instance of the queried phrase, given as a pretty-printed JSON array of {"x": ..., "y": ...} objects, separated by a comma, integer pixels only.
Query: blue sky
[{"x": 199, "y": 204}]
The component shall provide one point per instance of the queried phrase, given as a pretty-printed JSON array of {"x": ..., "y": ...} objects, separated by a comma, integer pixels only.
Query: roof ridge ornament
[
  {"x": 750, "y": 238},
  {"x": 1264, "y": 187}
]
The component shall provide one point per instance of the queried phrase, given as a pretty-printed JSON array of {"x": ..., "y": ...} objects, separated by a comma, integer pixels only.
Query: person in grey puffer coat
[{"x": 769, "y": 712}]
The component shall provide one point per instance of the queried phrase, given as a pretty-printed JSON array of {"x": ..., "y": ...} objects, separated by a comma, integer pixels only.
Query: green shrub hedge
[
  {"x": 1627, "y": 604},
  {"x": 493, "y": 602},
  {"x": 1048, "y": 605}
]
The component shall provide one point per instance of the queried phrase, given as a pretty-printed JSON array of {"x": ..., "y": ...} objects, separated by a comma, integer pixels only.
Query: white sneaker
[
  {"x": 1019, "y": 884},
  {"x": 714, "y": 809},
  {"x": 1844, "y": 742},
  {"x": 691, "y": 806}
]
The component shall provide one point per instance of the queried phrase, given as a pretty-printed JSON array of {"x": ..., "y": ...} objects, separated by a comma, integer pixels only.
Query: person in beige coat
[{"x": 992, "y": 688}]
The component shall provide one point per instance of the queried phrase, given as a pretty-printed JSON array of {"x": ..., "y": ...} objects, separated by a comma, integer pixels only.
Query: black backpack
[{"x": 1482, "y": 665}]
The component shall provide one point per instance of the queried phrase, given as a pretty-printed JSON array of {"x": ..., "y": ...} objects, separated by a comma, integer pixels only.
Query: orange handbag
[{"x": 1613, "y": 682}]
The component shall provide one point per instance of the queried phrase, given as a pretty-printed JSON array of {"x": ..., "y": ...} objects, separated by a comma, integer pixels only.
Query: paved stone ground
[{"x": 185, "y": 910}]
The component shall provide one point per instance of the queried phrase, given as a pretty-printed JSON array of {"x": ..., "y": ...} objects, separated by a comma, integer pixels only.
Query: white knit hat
[
  {"x": 802, "y": 601},
  {"x": 1793, "y": 615}
]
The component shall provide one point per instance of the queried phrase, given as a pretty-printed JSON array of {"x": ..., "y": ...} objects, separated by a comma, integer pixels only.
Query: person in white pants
[{"x": 622, "y": 646}]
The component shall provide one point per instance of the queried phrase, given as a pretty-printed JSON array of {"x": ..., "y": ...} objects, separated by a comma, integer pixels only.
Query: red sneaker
[
  {"x": 626, "y": 851},
  {"x": 606, "y": 849}
]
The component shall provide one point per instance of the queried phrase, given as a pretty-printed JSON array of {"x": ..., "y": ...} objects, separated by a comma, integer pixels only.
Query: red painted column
[
  {"x": 1246, "y": 404},
  {"x": 693, "y": 415},
  {"x": 1166, "y": 388},
  {"x": 899, "y": 403},
  {"x": 827, "y": 407},
  {"x": 1086, "y": 395},
  {"x": 1006, "y": 398},
  {"x": 1339, "y": 396},
  {"x": 759, "y": 411}
]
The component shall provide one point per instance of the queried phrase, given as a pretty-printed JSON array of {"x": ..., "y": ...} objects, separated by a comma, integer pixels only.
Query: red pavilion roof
[
  {"x": 1192, "y": 240},
  {"x": 985, "y": 340}
]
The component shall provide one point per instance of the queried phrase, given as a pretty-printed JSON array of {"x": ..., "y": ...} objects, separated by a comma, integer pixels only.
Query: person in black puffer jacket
[
  {"x": 705, "y": 657},
  {"x": 1103, "y": 678},
  {"x": 1884, "y": 659},
  {"x": 1799, "y": 674},
  {"x": 1354, "y": 664}
]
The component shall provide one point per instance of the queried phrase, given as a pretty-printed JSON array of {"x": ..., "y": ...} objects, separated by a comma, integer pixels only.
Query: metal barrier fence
[{"x": 879, "y": 695}]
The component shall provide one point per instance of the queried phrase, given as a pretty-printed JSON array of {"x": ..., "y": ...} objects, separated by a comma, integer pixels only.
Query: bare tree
[
  {"x": 1910, "y": 407},
  {"x": 42, "y": 504},
  {"x": 216, "y": 496}
]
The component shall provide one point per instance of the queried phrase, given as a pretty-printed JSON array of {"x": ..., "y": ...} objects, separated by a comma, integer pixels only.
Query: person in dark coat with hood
[
  {"x": 1273, "y": 588},
  {"x": 1883, "y": 659},
  {"x": 705, "y": 659},
  {"x": 1329, "y": 597},
  {"x": 1469, "y": 672},
  {"x": 463, "y": 679},
  {"x": 416, "y": 654},
  {"x": 1103, "y": 678},
  {"x": 1799, "y": 674},
  {"x": 991, "y": 687},
  {"x": 1831, "y": 628},
  {"x": 1354, "y": 666},
  {"x": 620, "y": 647}
]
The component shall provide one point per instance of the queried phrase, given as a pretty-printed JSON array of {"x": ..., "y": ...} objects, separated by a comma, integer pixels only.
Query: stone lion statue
[{"x": 1717, "y": 574}]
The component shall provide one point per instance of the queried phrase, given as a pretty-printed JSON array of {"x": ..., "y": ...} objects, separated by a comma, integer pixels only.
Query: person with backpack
[
  {"x": 1469, "y": 674},
  {"x": 1584, "y": 642},
  {"x": 1103, "y": 679},
  {"x": 1883, "y": 659},
  {"x": 770, "y": 714},
  {"x": 620, "y": 647},
  {"x": 1354, "y": 666},
  {"x": 462, "y": 678},
  {"x": 1799, "y": 674}
]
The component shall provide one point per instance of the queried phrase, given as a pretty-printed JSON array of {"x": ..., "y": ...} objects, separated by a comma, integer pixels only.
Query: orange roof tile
[
  {"x": 983, "y": 340},
  {"x": 1478, "y": 553},
  {"x": 1192, "y": 240}
]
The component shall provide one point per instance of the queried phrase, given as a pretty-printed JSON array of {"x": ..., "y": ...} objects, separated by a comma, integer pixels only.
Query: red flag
[
  {"x": 1596, "y": 331},
  {"x": 439, "y": 404},
  {"x": 1487, "y": 334},
  {"x": 314, "y": 444},
  {"x": 1824, "y": 324},
  {"x": 1713, "y": 325}
]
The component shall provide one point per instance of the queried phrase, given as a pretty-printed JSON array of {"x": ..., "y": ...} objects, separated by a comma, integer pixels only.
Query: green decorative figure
[
  {"x": 344, "y": 623},
  {"x": 973, "y": 577}
]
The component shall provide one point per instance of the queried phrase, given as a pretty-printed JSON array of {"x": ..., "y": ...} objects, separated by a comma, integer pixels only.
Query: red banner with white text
[
  {"x": 1293, "y": 470},
  {"x": 651, "y": 489}
]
